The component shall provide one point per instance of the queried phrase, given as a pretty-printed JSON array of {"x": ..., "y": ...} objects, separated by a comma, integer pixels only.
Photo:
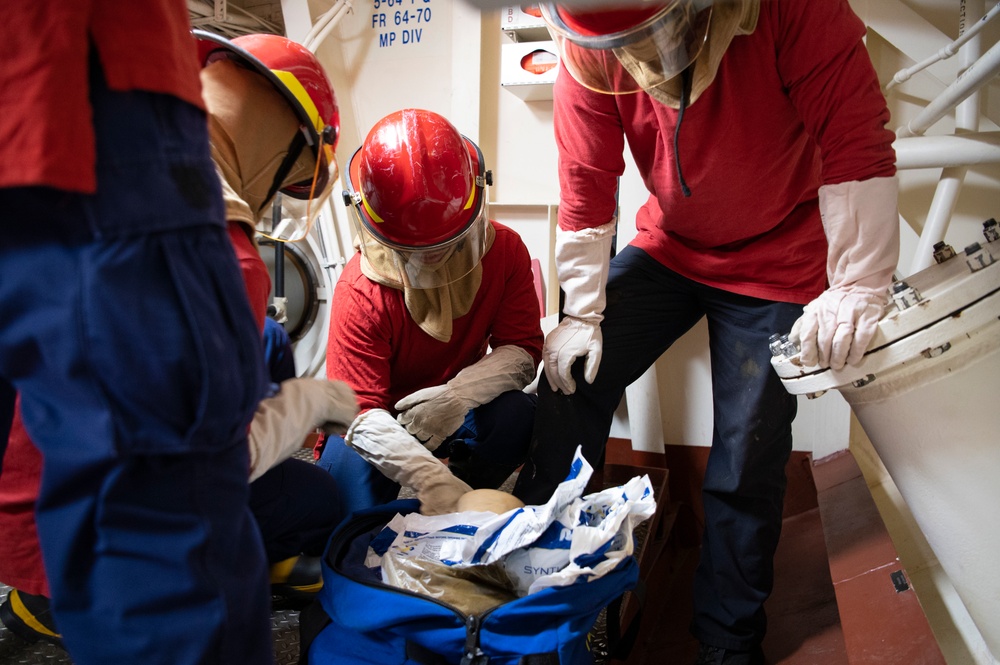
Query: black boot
[
  {"x": 295, "y": 582},
  {"x": 30, "y": 618}
]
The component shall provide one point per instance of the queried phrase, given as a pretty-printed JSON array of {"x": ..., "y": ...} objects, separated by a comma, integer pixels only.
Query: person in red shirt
[
  {"x": 435, "y": 323},
  {"x": 129, "y": 338},
  {"x": 759, "y": 130}
]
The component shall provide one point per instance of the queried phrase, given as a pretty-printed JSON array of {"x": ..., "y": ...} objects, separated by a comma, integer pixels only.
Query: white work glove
[
  {"x": 384, "y": 444},
  {"x": 582, "y": 260},
  {"x": 861, "y": 220},
  {"x": 282, "y": 422},
  {"x": 433, "y": 414}
]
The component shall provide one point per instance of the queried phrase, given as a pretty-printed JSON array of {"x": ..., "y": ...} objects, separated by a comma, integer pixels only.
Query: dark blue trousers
[
  {"x": 297, "y": 507},
  {"x": 485, "y": 450},
  {"x": 127, "y": 332},
  {"x": 648, "y": 308}
]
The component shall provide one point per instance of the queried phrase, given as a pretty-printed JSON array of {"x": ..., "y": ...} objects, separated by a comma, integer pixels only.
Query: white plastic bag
[{"x": 555, "y": 544}]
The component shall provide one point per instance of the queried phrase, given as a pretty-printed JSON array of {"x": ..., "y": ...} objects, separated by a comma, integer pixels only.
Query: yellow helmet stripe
[
  {"x": 472, "y": 196},
  {"x": 303, "y": 98},
  {"x": 368, "y": 209}
]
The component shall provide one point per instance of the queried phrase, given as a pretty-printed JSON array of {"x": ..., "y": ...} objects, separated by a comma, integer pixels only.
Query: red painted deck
[{"x": 834, "y": 602}]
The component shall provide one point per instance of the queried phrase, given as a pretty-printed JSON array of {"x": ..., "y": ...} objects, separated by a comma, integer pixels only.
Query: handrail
[{"x": 946, "y": 52}]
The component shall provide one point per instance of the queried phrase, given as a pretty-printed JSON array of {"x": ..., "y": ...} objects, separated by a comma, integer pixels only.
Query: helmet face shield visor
[
  {"x": 425, "y": 267},
  {"x": 299, "y": 213},
  {"x": 640, "y": 57}
]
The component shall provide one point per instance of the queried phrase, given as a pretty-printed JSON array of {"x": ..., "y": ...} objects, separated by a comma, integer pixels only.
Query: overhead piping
[{"x": 325, "y": 23}]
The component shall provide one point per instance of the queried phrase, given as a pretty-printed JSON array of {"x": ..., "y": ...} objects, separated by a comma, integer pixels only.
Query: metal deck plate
[{"x": 15, "y": 651}]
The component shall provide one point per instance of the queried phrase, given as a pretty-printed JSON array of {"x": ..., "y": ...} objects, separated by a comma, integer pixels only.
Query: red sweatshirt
[
  {"x": 44, "y": 47},
  {"x": 377, "y": 348},
  {"x": 794, "y": 105}
]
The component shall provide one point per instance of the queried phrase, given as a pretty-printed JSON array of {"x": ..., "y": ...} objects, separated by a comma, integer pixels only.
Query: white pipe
[
  {"x": 946, "y": 52},
  {"x": 950, "y": 185},
  {"x": 321, "y": 21},
  {"x": 326, "y": 23},
  {"x": 929, "y": 152},
  {"x": 967, "y": 113},
  {"x": 938, "y": 216},
  {"x": 976, "y": 76},
  {"x": 330, "y": 25},
  {"x": 323, "y": 18}
]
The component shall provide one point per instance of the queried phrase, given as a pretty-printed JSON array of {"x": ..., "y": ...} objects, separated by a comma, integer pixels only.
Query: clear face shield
[
  {"x": 304, "y": 201},
  {"x": 430, "y": 267},
  {"x": 637, "y": 58},
  {"x": 425, "y": 267}
]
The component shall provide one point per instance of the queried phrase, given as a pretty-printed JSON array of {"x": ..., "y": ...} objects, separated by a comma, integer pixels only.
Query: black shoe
[
  {"x": 295, "y": 582},
  {"x": 709, "y": 655},
  {"x": 30, "y": 618}
]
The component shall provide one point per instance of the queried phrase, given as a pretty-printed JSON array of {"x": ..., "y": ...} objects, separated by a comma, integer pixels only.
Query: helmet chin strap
[
  {"x": 294, "y": 150},
  {"x": 315, "y": 179}
]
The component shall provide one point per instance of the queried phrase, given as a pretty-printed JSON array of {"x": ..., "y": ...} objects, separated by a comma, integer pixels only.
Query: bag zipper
[{"x": 473, "y": 654}]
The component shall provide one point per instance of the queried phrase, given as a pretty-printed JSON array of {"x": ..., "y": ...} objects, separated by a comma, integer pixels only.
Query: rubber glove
[
  {"x": 433, "y": 414},
  {"x": 861, "y": 220},
  {"x": 281, "y": 423},
  {"x": 383, "y": 443},
  {"x": 582, "y": 261}
]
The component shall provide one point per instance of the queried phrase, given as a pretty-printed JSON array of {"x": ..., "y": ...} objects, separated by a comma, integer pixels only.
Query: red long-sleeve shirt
[
  {"x": 46, "y": 136},
  {"x": 378, "y": 349},
  {"x": 794, "y": 105}
]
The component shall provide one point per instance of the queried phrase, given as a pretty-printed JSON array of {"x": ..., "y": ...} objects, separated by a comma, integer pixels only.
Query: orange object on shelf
[{"x": 538, "y": 61}]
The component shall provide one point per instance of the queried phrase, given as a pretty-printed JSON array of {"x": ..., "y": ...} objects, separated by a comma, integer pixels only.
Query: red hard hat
[
  {"x": 297, "y": 75},
  {"x": 606, "y": 22},
  {"x": 632, "y": 47},
  {"x": 419, "y": 180}
]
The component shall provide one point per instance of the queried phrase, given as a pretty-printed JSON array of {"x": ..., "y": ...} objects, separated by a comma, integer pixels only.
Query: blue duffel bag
[{"x": 359, "y": 619}]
